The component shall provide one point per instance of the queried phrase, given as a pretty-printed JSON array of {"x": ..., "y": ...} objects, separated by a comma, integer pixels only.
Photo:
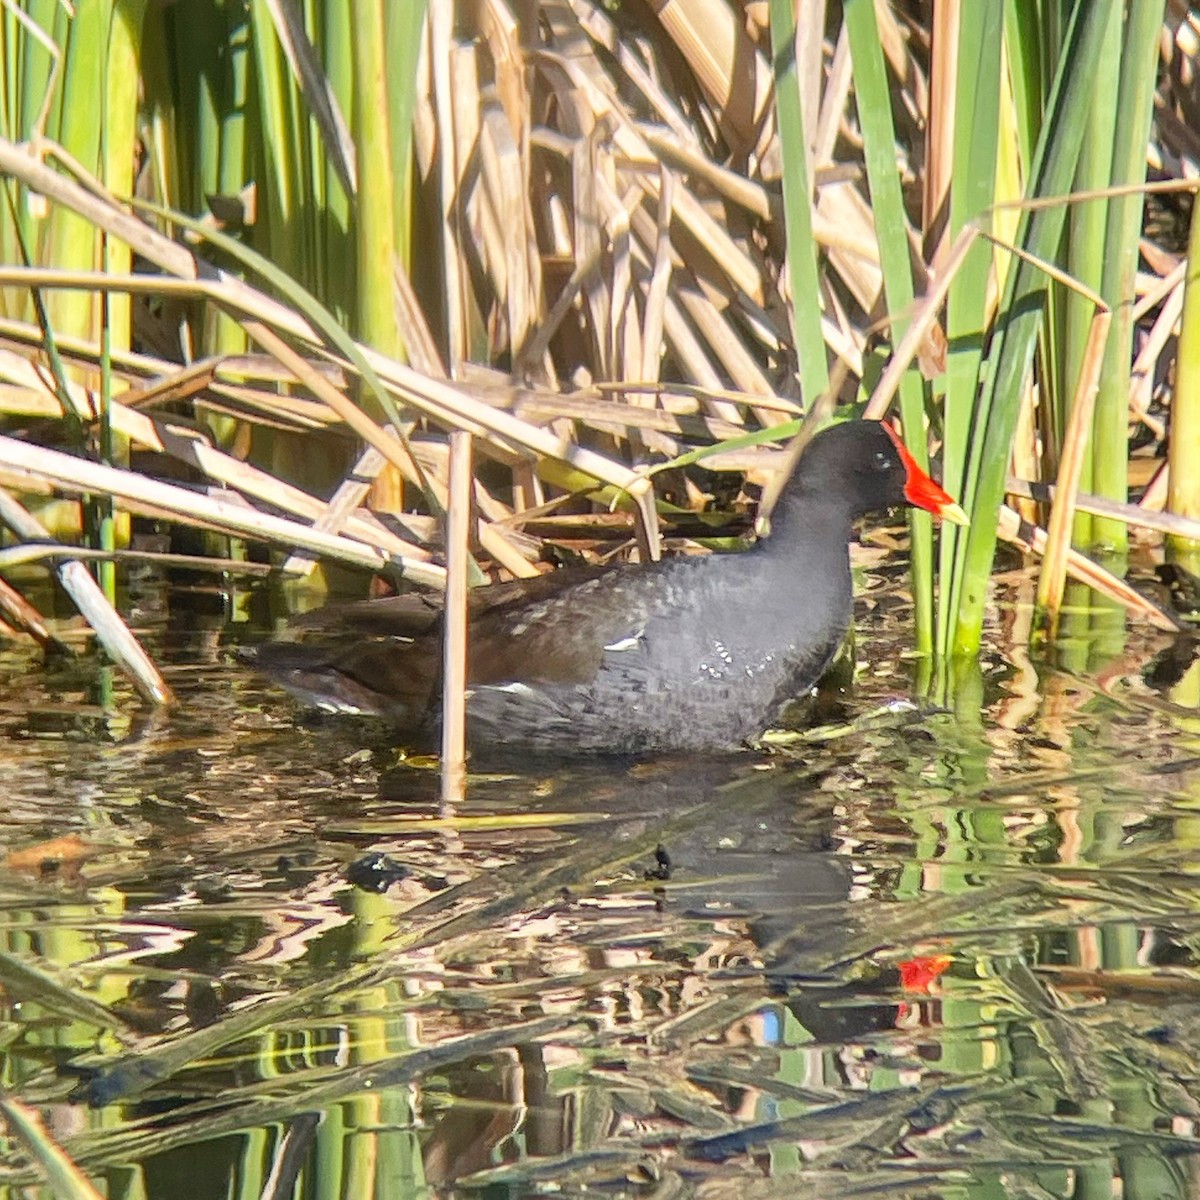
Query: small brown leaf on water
[{"x": 58, "y": 854}]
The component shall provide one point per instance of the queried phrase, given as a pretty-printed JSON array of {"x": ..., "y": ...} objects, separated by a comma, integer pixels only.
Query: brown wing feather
[{"x": 389, "y": 651}]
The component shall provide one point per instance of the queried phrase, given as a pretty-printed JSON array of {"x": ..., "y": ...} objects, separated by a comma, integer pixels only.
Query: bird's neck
[{"x": 805, "y": 519}]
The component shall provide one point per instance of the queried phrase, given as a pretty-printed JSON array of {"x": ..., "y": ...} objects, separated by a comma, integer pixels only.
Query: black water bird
[{"x": 692, "y": 654}]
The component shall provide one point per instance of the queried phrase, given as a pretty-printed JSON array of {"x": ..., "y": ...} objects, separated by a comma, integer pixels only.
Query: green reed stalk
[
  {"x": 70, "y": 241},
  {"x": 119, "y": 140},
  {"x": 30, "y": 105},
  {"x": 375, "y": 222},
  {"x": 287, "y": 218},
  {"x": 1013, "y": 343},
  {"x": 874, "y": 103},
  {"x": 972, "y": 191},
  {"x": 339, "y": 282},
  {"x": 797, "y": 207},
  {"x": 90, "y": 105},
  {"x": 228, "y": 148},
  {"x": 405, "y": 27},
  {"x": 1087, "y": 224},
  {"x": 1184, "y": 495},
  {"x": 1138, "y": 78}
]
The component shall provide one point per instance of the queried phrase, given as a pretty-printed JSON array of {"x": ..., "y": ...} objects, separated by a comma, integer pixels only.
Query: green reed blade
[
  {"x": 340, "y": 270},
  {"x": 972, "y": 191},
  {"x": 797, "y": 202},
  {"x": 874, "y": 103},
  {"x": 1013, "y": 343},
  {"x": 1139, "y": 59},
  {"x": 374, "y": 224},
  {"x": 405, "y": 31},
  {"x": 1086, "y": 227},
  {"x": 1184, "y": 496}
]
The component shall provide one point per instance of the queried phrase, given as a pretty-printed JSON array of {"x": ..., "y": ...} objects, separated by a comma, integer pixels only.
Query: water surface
[{"x": 928, "y": 950}]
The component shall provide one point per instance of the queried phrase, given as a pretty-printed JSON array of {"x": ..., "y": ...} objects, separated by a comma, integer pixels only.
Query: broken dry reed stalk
[
  {"x": 924, "y": 316},
  {"x": 393, "y": 449},
  {"x": 454, "y": 623},
  {"x": 1053, "y": 575},
  {"x": 1142, "y": 376},
  {"x": 190, "y": 446},
  {"x": 443, "y": 402},
  {"x": 354, "y": 489},
  {"x": 40, "y": 552},
  {"x": 65, "y": 1179},
  {"x": 122, "y": 647},
  {"x": 351, "y": 493},
  {"x": 1138, "y": 515},
  {"x": 1032, "y": 540},
  {"x": 22, "y": 615},
  {"x": 450, "y": 411},
  {"x": 79, "y": 476}
]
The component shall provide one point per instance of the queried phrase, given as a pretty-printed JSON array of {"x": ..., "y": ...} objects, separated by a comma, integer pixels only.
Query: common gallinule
[{"x": 691, "y": 653}]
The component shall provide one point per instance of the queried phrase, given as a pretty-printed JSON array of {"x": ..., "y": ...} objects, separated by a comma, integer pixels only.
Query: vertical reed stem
[
  {"x": 1074, "y": 452},
  {"x": 1183, "y": 491},
  {"x": 454, "y": 662}
]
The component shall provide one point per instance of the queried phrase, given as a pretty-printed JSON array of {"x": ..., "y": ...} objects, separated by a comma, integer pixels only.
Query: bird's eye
[{"x": 883, "y": 461}]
